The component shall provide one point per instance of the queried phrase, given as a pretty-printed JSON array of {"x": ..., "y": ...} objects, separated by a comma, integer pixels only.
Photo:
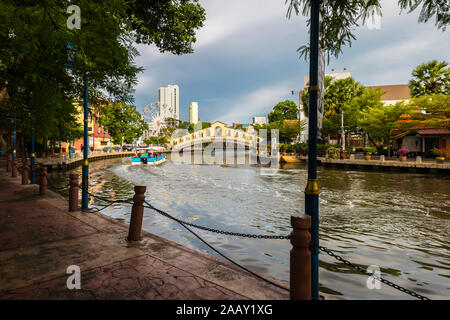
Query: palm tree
[{"x": 430, "y": 78}]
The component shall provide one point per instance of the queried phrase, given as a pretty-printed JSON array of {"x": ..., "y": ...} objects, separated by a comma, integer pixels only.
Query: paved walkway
[{"x": 39, "y": 239}]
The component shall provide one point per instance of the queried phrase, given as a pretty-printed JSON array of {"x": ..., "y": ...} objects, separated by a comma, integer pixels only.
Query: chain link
[
  {"x": 229, "y": 233},
  {"x": 260, "y": 236},
  {"x": 391, "y": 284}
]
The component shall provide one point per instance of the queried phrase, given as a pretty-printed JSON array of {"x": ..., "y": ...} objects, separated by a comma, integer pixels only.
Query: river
[{"x": 397, "y": 221}]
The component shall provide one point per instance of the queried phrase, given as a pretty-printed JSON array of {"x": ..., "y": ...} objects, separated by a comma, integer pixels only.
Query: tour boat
[{"x": 148, "y": 156}]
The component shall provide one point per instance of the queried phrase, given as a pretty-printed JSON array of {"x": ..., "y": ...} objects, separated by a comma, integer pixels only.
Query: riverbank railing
[{"x": 300, "y": 238}]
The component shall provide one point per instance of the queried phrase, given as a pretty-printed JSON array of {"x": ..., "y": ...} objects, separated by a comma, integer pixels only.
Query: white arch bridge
[{"x": 216, "y": 134}]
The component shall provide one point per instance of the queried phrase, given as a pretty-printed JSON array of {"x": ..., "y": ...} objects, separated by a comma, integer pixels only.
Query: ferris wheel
[{"x": 152, "y": 114}]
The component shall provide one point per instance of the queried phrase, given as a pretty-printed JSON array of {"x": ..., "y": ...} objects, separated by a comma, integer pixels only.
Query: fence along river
[{"x": 398, "y": 221}]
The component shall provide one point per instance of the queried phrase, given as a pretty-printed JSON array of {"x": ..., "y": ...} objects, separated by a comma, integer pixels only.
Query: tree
[
  {"x": 33, "y": 53},
  {"x": 339, "y": 97},
  {"x": 379, "y": 121},
  {"x": 156, "y": 140},
  {"x": 341, "y": 17},
  {"x": 431, "y": 111},
  {"x": 430, "y": 78},
  {"x": 288, "y": 130},
  {"x": 122, "y": 121},
  {"x": 286, "y": 110}
]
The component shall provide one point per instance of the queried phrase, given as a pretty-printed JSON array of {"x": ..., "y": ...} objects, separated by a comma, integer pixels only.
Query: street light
[{"x": 312, "y": 187}]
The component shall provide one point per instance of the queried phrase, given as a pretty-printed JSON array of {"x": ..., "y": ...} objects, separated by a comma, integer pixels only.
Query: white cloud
[
  {"x": 227, "y": 18},
  {"x": 256, "y": 103}
]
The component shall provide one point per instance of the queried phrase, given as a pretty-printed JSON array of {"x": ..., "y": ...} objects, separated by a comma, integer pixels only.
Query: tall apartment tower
[
  {"x": 193, "y": 112},
  {"x": 169, "y": 101}
]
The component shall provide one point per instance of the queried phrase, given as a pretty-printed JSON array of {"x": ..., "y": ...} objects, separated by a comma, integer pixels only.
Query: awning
[{"x": 434, "y": 132}]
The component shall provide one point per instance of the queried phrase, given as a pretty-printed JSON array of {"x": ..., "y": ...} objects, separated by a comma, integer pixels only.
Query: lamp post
[
  {"x": 33, "y": 155},
  {"x": 312, "y": 187},
  {"x": 71, "y": 51},
  {"x": 84, "y": 194}
]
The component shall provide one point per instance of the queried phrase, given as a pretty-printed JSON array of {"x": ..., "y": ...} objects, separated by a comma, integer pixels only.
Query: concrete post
[
  {"x": 418, "y": 159},
  {"x": 352, "y": 157},
  {"x": 9, "y": 163},
  {"x": 14, "y": 168},
  {"x": 73, "y": 192},
  {"x": 137, "y": 213},
  {"x": 43, "y": 182},
  {"x": 300, "y": 260},
  {"x": 25, "y": 176},
  {"x": 382, "y": 158}
]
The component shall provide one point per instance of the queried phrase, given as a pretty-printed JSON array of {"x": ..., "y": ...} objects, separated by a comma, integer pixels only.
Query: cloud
[{"x": 258, "y": 102}]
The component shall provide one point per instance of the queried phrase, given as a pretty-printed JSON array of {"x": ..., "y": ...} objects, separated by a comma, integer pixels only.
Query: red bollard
[
  {"x": 9, "y": 163},
  {"x": 25, "y": 176},
  {"x": 13, "y": 168},
  {"x": 43, "y": 182},
  {"x": 73, "y": 192},
  {"x": 300, "y": 275},
  {"x": 137, "y": 213}
]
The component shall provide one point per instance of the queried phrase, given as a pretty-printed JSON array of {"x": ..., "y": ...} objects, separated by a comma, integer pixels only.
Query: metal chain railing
[
  {"x": 214, "y": 249},
  {"x": 357, "y": 268},
  {"x": 185, "y": 224},
  {"x": 237, "y": 234}
]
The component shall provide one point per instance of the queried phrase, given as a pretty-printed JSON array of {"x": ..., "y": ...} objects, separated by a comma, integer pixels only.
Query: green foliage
[
  {"x": 430, "y": 78},
  {"x": 287, "y": 147},
  {"x": 174, "y": 21},
  {"x": 341, "y": 17},
  {"x": 287, "y": 130},
  {"x": 34, "y": 35},
  {"x": 370, "y": 150},
  {"x": 156, "y": 140},
  {"x": 437, "y": 152},
  {"x": 122, "y": 121},
  {"x": 436, "y": 113},
  {"x": 286, "y": 110},
  {"x": 380, "y": 120}
]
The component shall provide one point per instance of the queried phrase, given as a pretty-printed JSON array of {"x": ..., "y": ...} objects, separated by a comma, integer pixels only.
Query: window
[{"x": 89, "y": 128}]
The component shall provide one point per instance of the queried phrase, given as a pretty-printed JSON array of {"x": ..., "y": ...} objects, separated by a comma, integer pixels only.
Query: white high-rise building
[
  {"x": 193, "y": 113},
  {"x": 169, "y": 101}
]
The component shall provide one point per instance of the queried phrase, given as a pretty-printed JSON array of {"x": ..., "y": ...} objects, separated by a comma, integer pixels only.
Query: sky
[{"x": 245, "y": 58}]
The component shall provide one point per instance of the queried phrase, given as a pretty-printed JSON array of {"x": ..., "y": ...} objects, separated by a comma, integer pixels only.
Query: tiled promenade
[{"x": 39, "y": 239}]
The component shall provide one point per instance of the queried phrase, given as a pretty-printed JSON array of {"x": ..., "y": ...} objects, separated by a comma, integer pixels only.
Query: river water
[{"x": 399, "y": 222}]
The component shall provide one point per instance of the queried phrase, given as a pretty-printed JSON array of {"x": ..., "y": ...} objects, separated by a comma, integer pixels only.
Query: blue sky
[{"x": 245, "y": 58}]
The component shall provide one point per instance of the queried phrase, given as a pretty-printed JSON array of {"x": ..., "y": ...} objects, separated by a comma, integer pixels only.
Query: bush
[
  {"x": 437, "y": 152},
  {"x": 369, "y": 150}
]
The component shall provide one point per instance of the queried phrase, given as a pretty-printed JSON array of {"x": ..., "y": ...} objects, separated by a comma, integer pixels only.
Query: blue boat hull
[{"x": 145, "y": 159}]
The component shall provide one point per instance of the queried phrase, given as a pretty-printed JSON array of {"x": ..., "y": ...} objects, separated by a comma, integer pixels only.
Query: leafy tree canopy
[
  {"x": 33, "y": 54},
  {"x": 122, "y": 121},
  {"x": 432, "y": 111},
  {"x": 379, "y": 120},
  {"x": 286, "y": 110},
  {"x": 341, "y": 17}
]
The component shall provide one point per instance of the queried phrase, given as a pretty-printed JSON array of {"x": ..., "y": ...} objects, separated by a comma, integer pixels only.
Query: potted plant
[
  {"x": 368, "y": 152},
  {"x": 439, "y": 154},
  {"x": 402, "y": 154}
]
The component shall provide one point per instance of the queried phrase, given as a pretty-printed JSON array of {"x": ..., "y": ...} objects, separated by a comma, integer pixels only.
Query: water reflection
[{"x": 398, "y": 221}]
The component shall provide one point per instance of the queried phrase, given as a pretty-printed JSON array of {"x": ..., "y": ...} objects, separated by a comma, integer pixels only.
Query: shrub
[
  {"x": 369, "y": 150},
  {"x": 402, "y": 152},
  {"x": 437, "y": 152}
]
